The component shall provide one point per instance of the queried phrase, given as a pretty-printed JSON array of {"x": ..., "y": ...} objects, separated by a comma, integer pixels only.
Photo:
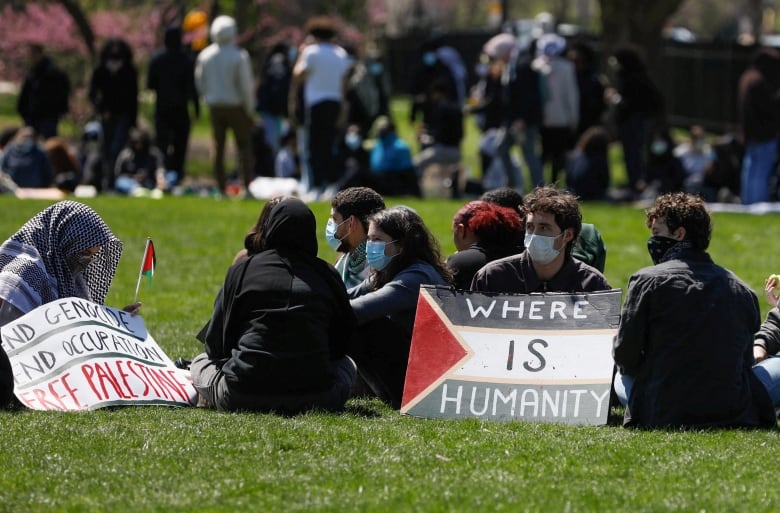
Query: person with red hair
[{"x": 482, "y": 232}]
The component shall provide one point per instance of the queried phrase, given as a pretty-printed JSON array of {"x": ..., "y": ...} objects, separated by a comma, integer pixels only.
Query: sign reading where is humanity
[
  {"x": 73, "y": 354},
  {"x": 538, "y": 357}
]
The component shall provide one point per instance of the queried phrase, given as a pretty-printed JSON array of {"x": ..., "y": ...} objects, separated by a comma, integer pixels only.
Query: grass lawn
[{"x": 368, "y": 458}]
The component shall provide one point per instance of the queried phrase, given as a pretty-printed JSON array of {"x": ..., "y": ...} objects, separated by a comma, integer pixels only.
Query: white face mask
[{"x": 541, "y": 249}]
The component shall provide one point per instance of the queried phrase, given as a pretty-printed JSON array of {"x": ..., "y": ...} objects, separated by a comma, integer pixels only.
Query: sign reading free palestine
[
  {"x": 73, "y": 354},
  {"x": 538, "y": 357}
]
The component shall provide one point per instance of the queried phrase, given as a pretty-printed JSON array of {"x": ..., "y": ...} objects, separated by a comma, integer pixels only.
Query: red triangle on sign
[{"x": 434, "y": 349}]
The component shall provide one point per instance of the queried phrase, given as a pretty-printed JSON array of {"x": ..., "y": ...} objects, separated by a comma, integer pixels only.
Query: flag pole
[{"x": 141, "y": 270}]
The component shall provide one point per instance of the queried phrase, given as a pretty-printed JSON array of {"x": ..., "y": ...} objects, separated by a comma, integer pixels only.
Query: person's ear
[{"x": 680, "y": 233}]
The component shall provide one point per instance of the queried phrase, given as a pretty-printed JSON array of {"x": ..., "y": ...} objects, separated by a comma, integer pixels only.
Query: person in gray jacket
[
  {"x": 403, "y": 255},
  {"x": 223, "y": 76}
]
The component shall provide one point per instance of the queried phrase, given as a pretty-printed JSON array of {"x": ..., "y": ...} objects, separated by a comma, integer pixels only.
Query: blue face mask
[
  {"x": 330, "y": 233},
  {"x": 376, "y": 68},
  {"x": 353, "y": 140},
  {"x": 375, "y": 254}
]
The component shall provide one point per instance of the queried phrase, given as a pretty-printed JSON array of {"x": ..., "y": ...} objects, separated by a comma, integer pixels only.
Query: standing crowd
[{"x": 318, "y": 113}]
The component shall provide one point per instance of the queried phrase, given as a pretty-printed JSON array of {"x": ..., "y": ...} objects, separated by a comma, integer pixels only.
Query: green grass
[{"x": 368, "y": 458}]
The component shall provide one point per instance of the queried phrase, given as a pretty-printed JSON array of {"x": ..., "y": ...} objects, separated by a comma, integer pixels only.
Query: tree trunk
[
  {"x": 637, "y": 23},
  {"x": 82, "y": 23}
]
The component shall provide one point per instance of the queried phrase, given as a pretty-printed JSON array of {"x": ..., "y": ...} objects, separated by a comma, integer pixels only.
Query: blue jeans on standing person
[{"x": 757, "y": 167}]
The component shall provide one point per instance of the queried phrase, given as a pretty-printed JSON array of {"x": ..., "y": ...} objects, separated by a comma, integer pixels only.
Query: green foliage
[{"x": 368, "y": 458}]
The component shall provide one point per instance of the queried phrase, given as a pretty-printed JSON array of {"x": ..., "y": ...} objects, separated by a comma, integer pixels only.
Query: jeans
[
  {"x": 757, "y": 167},
  {"x": 767, "y": 372}
]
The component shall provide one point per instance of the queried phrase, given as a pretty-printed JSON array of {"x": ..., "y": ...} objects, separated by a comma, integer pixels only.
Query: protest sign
[
  {"x": 539, "y": 357},
  {"x": 73, "y": 354}
]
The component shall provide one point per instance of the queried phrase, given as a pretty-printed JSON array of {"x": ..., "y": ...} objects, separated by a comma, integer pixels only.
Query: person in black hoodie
[
  {"x": 172, "y": 78},
  {"x": 277, "y": 338},
  {"x": 43, "y": 99},
  {"x": 113, "y": 91}
]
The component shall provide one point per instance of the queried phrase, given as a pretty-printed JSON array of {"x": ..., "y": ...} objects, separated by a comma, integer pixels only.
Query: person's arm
[
  {"x": 631, "y": 339},
  {"x": 767, "y": 340},
  {"x": 397, "y": 296}
]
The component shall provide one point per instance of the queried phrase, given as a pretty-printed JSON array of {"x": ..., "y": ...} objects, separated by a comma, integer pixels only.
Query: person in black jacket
[
  {"x": 684, "y": 347},
  {"x": 277, "y": 338},
  {"x": 113, "y": 91},
  {"x": 482, "y": 232},
  {"x": 43, "y": 99},
  {"x": 172, "y": 78}
]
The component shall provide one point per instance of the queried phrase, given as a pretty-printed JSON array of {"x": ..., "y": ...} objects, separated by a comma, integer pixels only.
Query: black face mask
[{"x": 658, "y": 246}]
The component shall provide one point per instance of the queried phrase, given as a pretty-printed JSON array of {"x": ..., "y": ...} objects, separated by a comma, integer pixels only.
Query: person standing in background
[
  {"x": 171, "y": 77},
  {"x": 113, "y": 91},
  {"x": 322, "y": 70},
  {"x": 43, "y": 99},
  {"x": 223, "y": 76}
]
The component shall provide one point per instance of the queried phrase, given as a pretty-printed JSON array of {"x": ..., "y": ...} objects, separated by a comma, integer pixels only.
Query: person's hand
[
  {"x": 759, "y": 353},
  {"x": 769, "y": 290},
  {"x": 133, "y": 309}
]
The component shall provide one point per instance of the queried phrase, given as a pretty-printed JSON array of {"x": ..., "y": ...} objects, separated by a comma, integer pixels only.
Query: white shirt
[{"x": 325, "y": 65}]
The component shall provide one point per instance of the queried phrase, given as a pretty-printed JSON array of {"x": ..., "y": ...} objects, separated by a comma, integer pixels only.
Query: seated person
[
  {"x": 63, "y": 162},
  {"x": 352, "y": 160},
  {"x": 346, "y": 231},
  {"x": 66, "y": 250},
  {"x": 403, "y": 255},
  {"x": 391, "y": 169},
  {"x": 254, "y": 236},
  {"x": 589, "y": 248},
  {"x": 766, "y": 343},
  {"x": 697, "y": 157},
  {"x": 482, "y": 232},
  {"x": 587, "y": 166},
  {"x": 286, "y": 163},
  {"x": 684, "y": 347},
  {"x": 140, "y": 167},
  {"x": 552, "y": 225},
  {"x": 505, "y": 197},
  {"x": 443, "y": 130},
  {"x": 664, "y": 171},
  {"x": 26, "y": 162},
  {"x": 277, "y": 338}
]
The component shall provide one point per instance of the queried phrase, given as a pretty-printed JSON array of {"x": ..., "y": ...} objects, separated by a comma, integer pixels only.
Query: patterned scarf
[
  {"x": 33, "y": 261},
  {"x": 352, "y": 266}
]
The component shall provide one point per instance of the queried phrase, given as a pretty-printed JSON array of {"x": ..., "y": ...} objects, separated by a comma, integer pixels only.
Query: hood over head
[
  {"x": 291, "y": 225},
  {"x": 223, "y": 30}
]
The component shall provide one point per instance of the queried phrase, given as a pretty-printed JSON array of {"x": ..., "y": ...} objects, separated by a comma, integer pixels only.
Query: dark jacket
[
  {"x": 282, "y": 314},
  {"x": 759, "y": 108},
  {"x": 172, "y": 77},
  {"x": 523, "y": 95},
  {"x": 465, "y": 264},
  {"x": 686, "y": 337},
  {"x": 44, "y": 93},
  {"x": 115, "y": 93},
  {"x": 515, "y": 275}
]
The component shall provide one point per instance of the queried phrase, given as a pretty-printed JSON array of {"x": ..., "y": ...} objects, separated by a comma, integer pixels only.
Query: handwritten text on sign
[
  {"x": 532, "y": 357},
  {"x": 72, "y": 354}
]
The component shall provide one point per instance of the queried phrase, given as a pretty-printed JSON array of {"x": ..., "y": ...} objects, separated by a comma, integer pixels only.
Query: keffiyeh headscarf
[{"x": 34, "y": 267}]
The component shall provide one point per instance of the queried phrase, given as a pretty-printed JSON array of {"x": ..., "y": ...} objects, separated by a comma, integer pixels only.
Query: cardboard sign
[
  {"x": 539, "y": 357},
  {"x": 72, "y": 354}
]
